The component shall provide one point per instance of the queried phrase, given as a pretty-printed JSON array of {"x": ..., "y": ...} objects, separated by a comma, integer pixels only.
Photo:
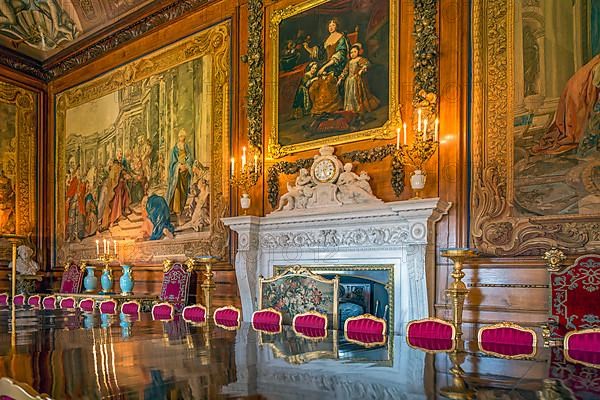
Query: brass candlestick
[
  {"x": 458, "y": 390},
  {"x": 457, "y": 289},
  {"x": 14, "y": 241},
  {"x": 208, "y": 283}
]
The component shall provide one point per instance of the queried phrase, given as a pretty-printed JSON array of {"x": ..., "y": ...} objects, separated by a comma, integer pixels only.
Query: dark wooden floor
[{"x": 73, "y": 355}]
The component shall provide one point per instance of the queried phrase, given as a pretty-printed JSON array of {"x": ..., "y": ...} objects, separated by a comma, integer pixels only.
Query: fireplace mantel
[{"x": 400, "y": 233}]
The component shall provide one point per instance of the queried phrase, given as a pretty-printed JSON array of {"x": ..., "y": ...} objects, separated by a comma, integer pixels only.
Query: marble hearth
[{"x": 400, "y": 233}]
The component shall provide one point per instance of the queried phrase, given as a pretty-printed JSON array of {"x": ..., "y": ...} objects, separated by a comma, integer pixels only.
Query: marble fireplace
[{"x": 397, "y": 234}]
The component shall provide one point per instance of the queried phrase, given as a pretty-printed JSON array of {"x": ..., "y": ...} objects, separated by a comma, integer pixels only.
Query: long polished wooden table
[{"x": 76, "y": 355}]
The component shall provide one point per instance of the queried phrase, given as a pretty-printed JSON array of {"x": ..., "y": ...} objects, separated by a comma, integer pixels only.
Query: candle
[
  {"x": 232, "y": 167},
  {"x": 97, "y": 247},
  {"x": 256, "y": 163},
  {"x": 104, "y": 246},
  {"x": 398, "y": 139},
  {"x": 115, "y": 246},
  {"x": 436, "y": 128},
  {"x": 404, "y": 126},
  {"x": 243, "y": 158},
  {"x": 425, "y": 129},
  {"x": 419, "y": 121}
]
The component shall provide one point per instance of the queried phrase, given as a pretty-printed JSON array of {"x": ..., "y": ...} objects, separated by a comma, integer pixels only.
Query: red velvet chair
[
  {"x": 583, "y": 347},
  {"x": 431, "y": 335},
  {"x": 163, "y": 312},
  {"x": 72, "y": 279},
  {"x": 194, "y": 313},
  {"x": 67, "y": 302},
  {"x": 312, "y": 325},
  {"x": 4, "y": 299},
  {"x": 108, "y": 306},
  {"x": 49, "y": 303},
  {"x": 227, "y": 317},
  {"x": 19, "y": 300},
  {"x": 367, "y": 324},
  {"x": 365, "y": 339},
  {"x": 176, "y": 284},
  {"x": 267, "y": 320},
  {"x": 575, "y": 297},
  {"x": 507, "y": 340},
  {"x": 131, "y": 308},
  {"x": 34, "y": 301},
  {"x": 87, "y": 305}
]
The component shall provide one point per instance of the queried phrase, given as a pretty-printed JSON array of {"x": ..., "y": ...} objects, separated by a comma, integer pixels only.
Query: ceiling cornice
[{"x": 79, "y": 57}]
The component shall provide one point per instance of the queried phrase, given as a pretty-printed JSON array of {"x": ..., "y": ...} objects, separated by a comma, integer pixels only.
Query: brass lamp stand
[
  {"x": 458, "y": 390},
  {"x": 208, "y": 283},
  {"x": 457, "y": 289}
]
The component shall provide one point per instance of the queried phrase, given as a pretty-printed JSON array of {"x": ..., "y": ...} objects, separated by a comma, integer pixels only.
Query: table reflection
[{"x": 75, "y": 355}]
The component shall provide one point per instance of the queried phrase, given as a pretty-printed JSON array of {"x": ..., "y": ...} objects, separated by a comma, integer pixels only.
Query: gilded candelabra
[
  {"x": 418, "y": 153},
  {"x": 457, "y": 289},
  {"x": 246, "y": 177}
]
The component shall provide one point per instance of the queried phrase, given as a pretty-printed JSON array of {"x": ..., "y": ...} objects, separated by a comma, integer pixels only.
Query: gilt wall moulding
[{"x": 536, "y": 127}]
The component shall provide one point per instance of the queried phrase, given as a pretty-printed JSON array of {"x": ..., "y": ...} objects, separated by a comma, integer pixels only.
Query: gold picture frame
[
  {"x": 278, "y": 13},
  {"x": 19, "y": 161},
  {"x": 498, "y": 228},
  {"x": 213, "y": 43}
]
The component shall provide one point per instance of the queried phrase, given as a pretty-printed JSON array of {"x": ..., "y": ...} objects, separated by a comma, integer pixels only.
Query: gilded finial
[
  {"x": 167, "y": 264},
  {"x": 190, "y": 264},
  {"x": 554, "y": 259}
]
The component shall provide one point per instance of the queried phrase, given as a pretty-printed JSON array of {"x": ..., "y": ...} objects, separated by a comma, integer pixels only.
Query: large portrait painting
[
  {"x": 332, "y": 73},
  {"x": 536, "y": 180},
  {"x": 18, "y": 154},
  {"x": 141, "y": 154}
]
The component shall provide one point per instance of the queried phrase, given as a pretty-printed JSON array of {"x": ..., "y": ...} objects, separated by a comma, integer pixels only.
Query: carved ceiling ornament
[{"x": 496, "y": 229}]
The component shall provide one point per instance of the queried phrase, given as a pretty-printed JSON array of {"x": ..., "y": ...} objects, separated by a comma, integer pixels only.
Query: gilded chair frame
[
  {"x": 280, "y": 325},
  {"x": 512, "y": 325},
  {"x": 366, "y": 316},
  {"x": 137, "y": 303},
  {"x": 195, "y": 322},
  {"x": 566, "y": 346},
  {"x": 432, "y": 319},
  {"x": 298, "y": 270},
  {"x": 67, "y": 298},
  {"x": 324, "y": 316},
  {"x": 163, "y": 304},
  {"x": 32, "y": 297},
  {"x": 6, "y": 296},
  {"x": 49, "y": 297},
  {"x": 24, "y": 299},
  {"x": 113, "y": 301},
  {"x": 87, "y": 299},
  {"x": 229, "y": 328}
]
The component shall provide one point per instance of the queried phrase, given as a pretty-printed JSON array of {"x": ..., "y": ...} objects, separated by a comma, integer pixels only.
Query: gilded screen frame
[
  {"x": 495, "y": 230},
  {"x": 215, "y": 41},
  {"x": 279, "y": 12},
  {"x": 25, "y": 184}
]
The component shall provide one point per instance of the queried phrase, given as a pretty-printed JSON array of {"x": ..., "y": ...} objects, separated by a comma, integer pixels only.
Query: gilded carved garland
[
  {"x": 495, "y": 230},
  {"x": 255, "y": 97},
  {"x": 425, "y": 54}
]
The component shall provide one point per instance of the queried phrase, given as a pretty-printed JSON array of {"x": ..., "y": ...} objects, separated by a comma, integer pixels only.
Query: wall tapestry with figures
[
  {"x": 331, "y": 73},
  {"x": 141, "y": 154},
  {"x": 18, "y": 152},
  {"x": 536, "y": 152}
]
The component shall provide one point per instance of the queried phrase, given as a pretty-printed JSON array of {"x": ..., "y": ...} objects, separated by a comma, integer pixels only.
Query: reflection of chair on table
[{"x": 296, "y": 291}]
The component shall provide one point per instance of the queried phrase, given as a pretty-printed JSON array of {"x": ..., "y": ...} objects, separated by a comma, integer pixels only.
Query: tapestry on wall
[
  {"x": 141, "y": 155},
  {"x": 536, "y": 152},
  {"x": 18, "y": 154},
  {"x": 333, "y": 71}
]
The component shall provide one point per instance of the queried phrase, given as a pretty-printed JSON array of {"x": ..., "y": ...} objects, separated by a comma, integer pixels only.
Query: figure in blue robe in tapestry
[
  {"x": 157, "y": 218},
  {"x": 180, "y": 176}
]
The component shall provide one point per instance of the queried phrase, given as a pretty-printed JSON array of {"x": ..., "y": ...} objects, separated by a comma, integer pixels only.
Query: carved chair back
[
  {"x": 507, "y": 340},
  {"x": 176, "y": 284},
  {"x": 575, "y": 296},
  {"x": 72, "y": 279},
  {"x": 19, "y": 300},
  {"x": 227, "y": 317},
  {"x": 296, "y": 291}
]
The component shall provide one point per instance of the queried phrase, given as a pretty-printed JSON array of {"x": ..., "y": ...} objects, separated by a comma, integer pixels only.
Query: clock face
[{"x": 324, "y": 170}]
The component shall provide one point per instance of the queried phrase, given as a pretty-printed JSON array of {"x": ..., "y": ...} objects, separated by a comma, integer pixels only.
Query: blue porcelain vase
[
  {"x": 106, "y": 280},
  {"x": 90, "y": 282},
  {"x": 126, "y": 280}
]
